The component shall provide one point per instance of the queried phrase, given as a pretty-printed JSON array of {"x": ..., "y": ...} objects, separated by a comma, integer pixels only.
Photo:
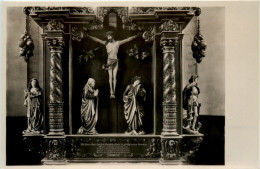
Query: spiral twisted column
[
  {"x": 168, "y": 43},
  {"x": 56, "y": 86},
  {"x": 54, "y": 37}
]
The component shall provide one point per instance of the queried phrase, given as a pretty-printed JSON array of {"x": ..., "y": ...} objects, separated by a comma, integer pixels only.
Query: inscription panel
[{"x": 113, "y": 147}]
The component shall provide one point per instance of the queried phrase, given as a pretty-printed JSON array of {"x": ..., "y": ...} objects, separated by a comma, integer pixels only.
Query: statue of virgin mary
[{"x": 89, "y": 109}]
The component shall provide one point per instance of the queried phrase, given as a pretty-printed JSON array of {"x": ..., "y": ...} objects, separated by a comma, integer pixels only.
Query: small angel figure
[
  {"x": 133, "y": 98},
  {"x": 89, "y": 109},
  {"x": 192, "y": 105},
  {"x": 33, "y": 102}
]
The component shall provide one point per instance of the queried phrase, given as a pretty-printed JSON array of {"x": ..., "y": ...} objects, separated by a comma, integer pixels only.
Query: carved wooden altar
[{"x": 63, "y": 30}]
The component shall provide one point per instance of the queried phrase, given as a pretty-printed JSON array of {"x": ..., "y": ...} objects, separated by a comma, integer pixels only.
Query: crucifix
[{"x": 112, "y": 47}]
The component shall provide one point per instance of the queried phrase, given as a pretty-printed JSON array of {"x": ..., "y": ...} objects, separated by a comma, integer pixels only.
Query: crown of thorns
[{"x": 111, "y": 33}]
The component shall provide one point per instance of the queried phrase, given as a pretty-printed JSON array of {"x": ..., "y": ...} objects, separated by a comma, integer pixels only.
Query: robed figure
[
  {"x": 89, "y": 109},
  {"x": 134, "y": 97},
  {"x": 33, "y": 103}
]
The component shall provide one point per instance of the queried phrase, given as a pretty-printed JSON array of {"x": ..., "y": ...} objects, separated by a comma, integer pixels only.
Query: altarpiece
[{"x": 71, "y": 57}]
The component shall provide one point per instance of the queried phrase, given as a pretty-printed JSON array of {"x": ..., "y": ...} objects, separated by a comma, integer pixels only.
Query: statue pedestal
[{"x": 55, "y": 150}]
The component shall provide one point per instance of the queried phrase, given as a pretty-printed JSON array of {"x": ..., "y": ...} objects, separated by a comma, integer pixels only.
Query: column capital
[{"x": 56, "y": 44}]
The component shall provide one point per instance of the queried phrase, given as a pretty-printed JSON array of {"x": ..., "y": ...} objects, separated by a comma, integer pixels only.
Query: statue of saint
[
  {"x": 89, "y": 108},
  {"x": 33, "y": 103},
  {"x": 192, "y": 105},
  {"x": 133, "y": 98},
  {"x": 112, "y": 47}
]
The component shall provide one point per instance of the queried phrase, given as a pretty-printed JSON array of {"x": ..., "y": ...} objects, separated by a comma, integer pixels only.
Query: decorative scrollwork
[
  {"x": 122, "y": 12},
  {"x": 55, "y": 25},
  {"x": 152, "y": 10},
  {"x": 71, "y": 10},
  {"x": 148, "y": 35},
  {"x": 81, "y": 10}
]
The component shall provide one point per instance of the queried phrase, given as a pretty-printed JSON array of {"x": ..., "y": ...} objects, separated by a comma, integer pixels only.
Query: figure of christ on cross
[{"x": 112, "y": 47}]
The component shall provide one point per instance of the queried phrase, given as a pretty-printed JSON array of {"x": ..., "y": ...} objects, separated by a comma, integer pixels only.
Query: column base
[
  {"x": 180, "y": 161},
  {"x": 169, "y": 133},
  {"x": 56, "y": 133}
]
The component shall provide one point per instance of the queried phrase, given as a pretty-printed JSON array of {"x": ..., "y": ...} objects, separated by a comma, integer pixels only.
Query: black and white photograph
[{"x": 121, "y": 83}]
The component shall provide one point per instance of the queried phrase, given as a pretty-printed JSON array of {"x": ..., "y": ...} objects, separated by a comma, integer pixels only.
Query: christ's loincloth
[{"x": 111, "y": 64}]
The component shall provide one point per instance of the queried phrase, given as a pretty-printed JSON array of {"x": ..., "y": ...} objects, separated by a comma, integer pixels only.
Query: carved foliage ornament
[
  {"x": 72, "y": 10},
  {"x": 198, "y": 45},
  {"x": 55, "y": 25},
  {"x": 169, "y": 25},
  {"x": 138, "y": 53},
  {"x": 148, "y": 35},
  {"x": 26, "y": 43},
  {"x": 122, "y": 12},
  {"x": 26, "y": 46},
  {"x": 152, "y": 10}
]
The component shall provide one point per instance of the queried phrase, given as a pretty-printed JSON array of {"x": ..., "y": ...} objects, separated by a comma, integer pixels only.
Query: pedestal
[{"x": 55, "y": 150}]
